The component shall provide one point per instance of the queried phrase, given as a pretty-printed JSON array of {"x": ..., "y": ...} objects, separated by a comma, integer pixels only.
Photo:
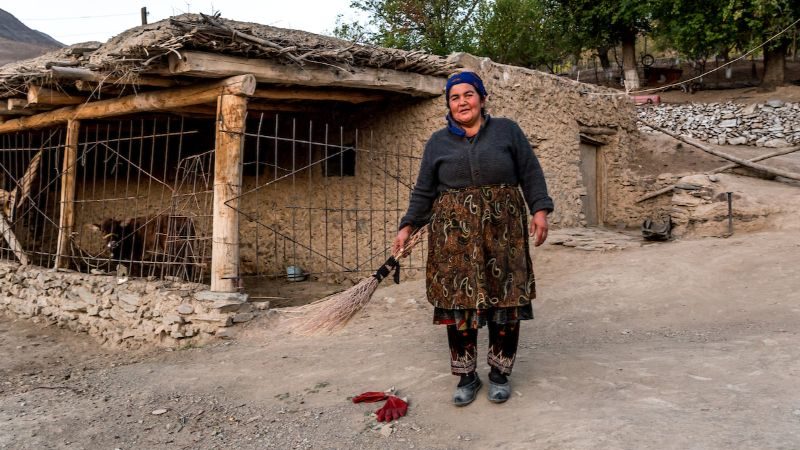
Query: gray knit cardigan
[{"x": 498, "y": 154}]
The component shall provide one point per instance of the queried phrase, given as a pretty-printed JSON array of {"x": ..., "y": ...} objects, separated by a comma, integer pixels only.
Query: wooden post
[
  {"x": 231, "y": 112},
  {"x": 66, "y": 218},
  {"x": 8, "y": 234},
  {"x": 144, "y": 15}
]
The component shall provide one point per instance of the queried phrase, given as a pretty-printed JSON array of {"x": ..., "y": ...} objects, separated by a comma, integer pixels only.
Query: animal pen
[
  {"x": 213, "y": 152},
  {"x": 308, "y": 194}
]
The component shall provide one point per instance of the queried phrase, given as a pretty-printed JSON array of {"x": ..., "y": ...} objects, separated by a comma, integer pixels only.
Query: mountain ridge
[{"x": 18, "y": 41}]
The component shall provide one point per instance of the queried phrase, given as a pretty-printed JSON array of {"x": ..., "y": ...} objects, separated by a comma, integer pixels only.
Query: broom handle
[
  {"x": 411, "y": 242},
  {"x": 394, "y": 261}
]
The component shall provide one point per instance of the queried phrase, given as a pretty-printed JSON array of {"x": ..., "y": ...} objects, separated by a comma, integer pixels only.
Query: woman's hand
[
  {"x": 400, "y": 239},
  {"x": 539, "y": 227}
]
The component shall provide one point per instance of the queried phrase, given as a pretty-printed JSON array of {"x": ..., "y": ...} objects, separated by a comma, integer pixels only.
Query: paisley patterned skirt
[{"x": 478, "y": 257}]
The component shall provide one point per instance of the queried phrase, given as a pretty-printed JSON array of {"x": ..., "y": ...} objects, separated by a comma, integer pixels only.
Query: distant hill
[{"x": 17, "y": 41}]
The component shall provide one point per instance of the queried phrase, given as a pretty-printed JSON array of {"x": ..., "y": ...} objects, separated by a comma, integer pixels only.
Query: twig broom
[{"x": 334, "y": 311}]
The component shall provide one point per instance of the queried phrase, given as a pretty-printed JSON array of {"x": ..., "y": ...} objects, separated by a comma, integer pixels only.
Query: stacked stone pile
[
  {"x": 773, "y": 124},
  {"x": 131, "y": 314}
]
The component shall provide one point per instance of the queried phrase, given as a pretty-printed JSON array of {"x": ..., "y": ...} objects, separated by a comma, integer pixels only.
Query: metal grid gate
[
  {"x": 321, "y": 198},
  {"x": 142, "y": 203}
]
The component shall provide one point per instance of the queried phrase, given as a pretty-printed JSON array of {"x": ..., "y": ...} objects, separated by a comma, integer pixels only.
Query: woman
[{"x": 479, "y": 269}]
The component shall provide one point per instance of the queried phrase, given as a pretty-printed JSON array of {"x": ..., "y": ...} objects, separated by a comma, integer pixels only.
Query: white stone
[
  {"x": 184, "y": 309},
  {"x": 740, "y": 140},
  {"x": 775, "y": 143},
  {"x": 129, "y": 298},
  {"x": 170, "y": 319},
  {"x": 243, "y": 317}
]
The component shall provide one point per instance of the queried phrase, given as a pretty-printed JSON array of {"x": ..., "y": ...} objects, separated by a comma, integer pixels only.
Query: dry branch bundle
[
  {"x": 145, "y": 48},
  {"x": 333, "y": 312}
]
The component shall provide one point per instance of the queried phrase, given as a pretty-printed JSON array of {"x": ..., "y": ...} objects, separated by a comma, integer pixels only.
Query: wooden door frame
[{"x": 600, "y": 176}]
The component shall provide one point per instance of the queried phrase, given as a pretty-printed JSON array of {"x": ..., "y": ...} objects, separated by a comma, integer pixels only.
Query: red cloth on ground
[
  {"x": 370, "y": 397},
  {"x": 393, "y": 409}
]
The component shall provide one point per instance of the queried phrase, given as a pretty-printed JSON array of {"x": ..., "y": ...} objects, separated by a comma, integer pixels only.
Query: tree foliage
[
  {"x": 535, "y": 33},
  {"x": 696, "y": 29},
  {"x": 436, "y": 26},
  {"x": 756, "y": 20},
  {"x": 527, "y": 33},
  {"x": 756, "y": 23}
]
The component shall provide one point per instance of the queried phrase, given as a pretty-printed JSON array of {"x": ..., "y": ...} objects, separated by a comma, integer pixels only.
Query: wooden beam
[
  {"x": 38, "y": 95},
  {"x": 197, "y": 110},
  {"x": 74, "y": 73},
  {"x": 16, "y": 104},
  {"x": 6, "y": 113},
  {"x": 281, "y": 107},
  {"x": 669, "y": 188},
  {"x": 740, "y": 161},
  {"x": 66, "y": 218},
  {"x": 21, "y": 106},
  {"x": 318, "y": 95},
  {"x": 242, "y": 85},
  {"x": 785, "y": 151},
  {"x": 231, "y": 114},
  {"x": 211, "y": 65},
  {"x": 13, "y": 243},
  {"x": 97, "y": 90}
]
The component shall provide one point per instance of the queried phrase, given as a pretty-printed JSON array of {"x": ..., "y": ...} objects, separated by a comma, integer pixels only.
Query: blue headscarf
[
  {"x": 458, "y": 78},
  {"x": 465, "y": 77}
]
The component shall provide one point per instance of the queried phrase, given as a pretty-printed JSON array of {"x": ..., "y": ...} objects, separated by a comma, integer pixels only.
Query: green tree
[
  {"x": 436, "y": 26},
  {"x": 527, "y": 33},
  {"x": 695, "y": 29},
  {"x": 756, "y": 21},
  {"x": 600, "y": 24}
]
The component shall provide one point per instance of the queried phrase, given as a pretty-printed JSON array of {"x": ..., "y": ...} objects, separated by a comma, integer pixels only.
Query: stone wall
[
  {"x": 773, "y": 124},
  {"x": 128, "y": 314}
]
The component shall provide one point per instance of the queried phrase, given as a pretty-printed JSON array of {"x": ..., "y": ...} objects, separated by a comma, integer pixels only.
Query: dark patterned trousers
[{"x": 503, "y": 341}]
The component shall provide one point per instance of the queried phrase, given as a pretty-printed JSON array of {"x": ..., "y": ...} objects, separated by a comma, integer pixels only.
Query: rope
[{"x": 680, "y": 83}]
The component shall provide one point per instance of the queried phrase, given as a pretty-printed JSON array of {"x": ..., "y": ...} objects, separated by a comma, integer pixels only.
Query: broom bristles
[{"x": 334, "y": 311}]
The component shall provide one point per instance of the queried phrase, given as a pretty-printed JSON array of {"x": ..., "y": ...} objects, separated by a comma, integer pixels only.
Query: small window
[{"x": 339, "y": 162}]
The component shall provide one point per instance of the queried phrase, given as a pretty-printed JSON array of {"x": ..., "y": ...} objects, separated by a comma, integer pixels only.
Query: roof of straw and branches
[{"x": 143, "y": 48}]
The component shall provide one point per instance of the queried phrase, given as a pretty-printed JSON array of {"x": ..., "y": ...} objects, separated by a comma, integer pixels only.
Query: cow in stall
[{"x": 152, "y": 245}]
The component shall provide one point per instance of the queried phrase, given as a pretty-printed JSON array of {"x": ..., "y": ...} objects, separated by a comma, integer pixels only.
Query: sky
[{"x": 74, "y": 21}]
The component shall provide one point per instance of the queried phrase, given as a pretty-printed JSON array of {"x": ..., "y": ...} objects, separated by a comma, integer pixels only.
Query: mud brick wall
[{"x": 132, "y": 314}]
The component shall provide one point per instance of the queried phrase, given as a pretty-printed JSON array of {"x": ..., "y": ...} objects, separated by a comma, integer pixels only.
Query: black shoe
[
  {"x": 464, "y": 395},
  {"x": 499, "y": 393}
]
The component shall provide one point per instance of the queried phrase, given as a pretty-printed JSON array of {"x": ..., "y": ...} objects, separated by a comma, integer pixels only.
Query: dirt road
[{"x": 684, "y": 345}]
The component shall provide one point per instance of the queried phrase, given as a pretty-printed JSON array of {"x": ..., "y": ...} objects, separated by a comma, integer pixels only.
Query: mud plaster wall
[
  {"x": 333, "y": 227},
  {"x": 132, "y": 314}
]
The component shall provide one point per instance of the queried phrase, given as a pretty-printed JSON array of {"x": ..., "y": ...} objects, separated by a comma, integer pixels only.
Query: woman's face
[{"x": 465, "y": 104}]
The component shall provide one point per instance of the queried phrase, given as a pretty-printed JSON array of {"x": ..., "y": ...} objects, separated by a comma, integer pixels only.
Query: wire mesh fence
[
  {"x": 142, "y": 204},
  {"x": 320, "y": 198},
  {"x": 30, "y": 164},
  {"x": 314, "y": 196}
]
